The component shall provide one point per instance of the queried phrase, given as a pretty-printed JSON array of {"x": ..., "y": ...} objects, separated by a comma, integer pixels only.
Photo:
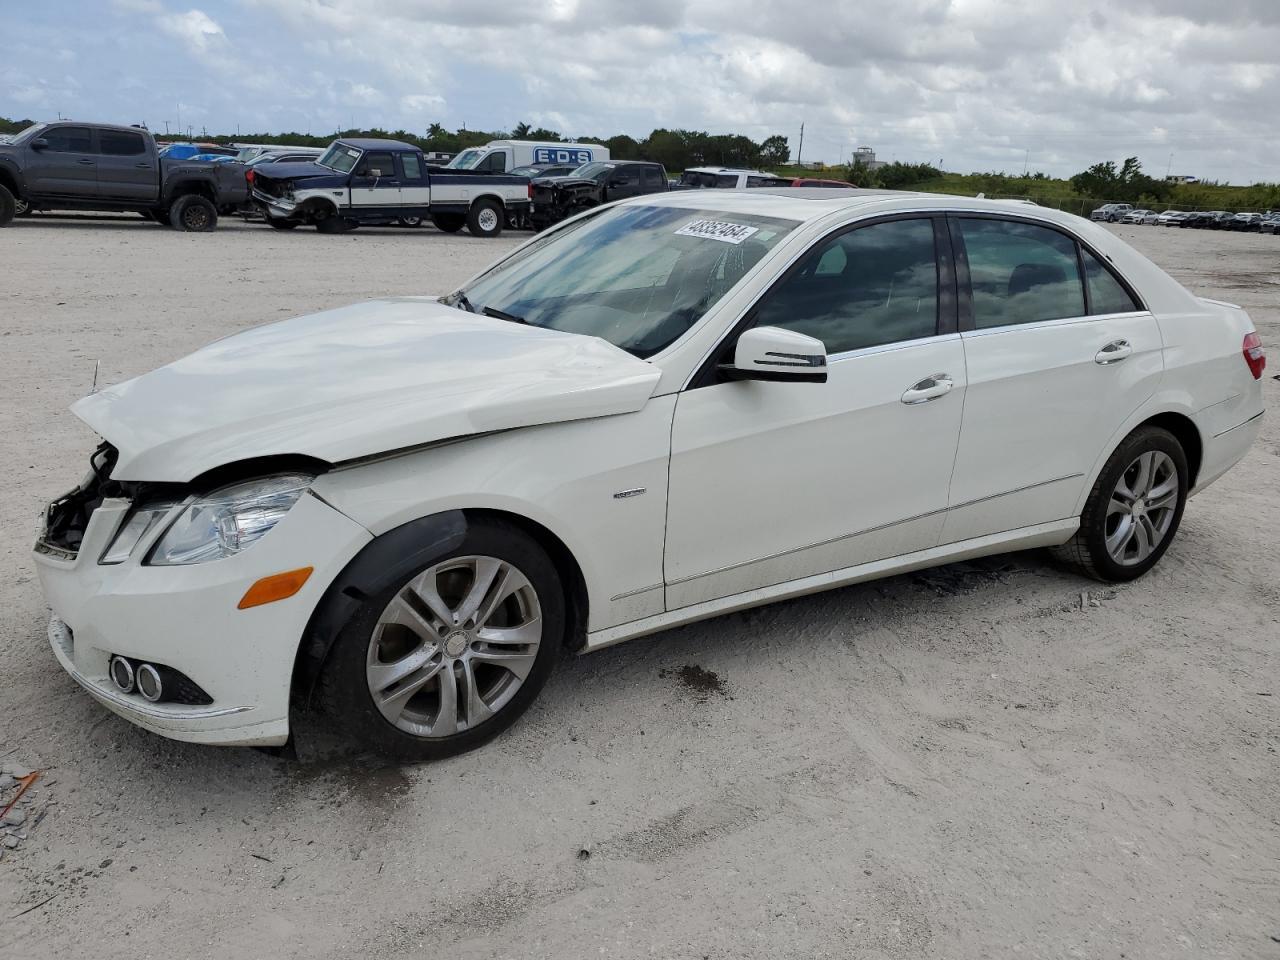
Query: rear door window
[
  {"x": 1106, "y": 293},
  {"x": 1020, "y": 273},
  {"x": 69, "y": 140},
  {"x": 411, "y": 167},
  {"x": 117, "y": 143},
  {"x": 652, "y": 177}
]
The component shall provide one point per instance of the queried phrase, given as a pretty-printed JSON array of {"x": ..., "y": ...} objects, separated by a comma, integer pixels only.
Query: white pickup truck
[{"x": 379, "y": 181}]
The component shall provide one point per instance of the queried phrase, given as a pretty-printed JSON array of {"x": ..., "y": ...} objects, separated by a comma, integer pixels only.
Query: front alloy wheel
[
  {"x": 447, "y": 656},
  {"x": 453, "y": 646}
]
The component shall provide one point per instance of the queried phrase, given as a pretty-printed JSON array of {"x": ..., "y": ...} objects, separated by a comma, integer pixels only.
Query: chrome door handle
[
  {"x": 930, "y": 388},
  {"x": 1113, "y": 352},
  {"x": 85, "y": 161}
]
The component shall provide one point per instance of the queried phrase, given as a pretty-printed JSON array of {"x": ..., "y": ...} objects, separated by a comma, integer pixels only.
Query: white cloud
[
  {"x": 195, "y": 28},
  {"x": 977, "y": 82}
]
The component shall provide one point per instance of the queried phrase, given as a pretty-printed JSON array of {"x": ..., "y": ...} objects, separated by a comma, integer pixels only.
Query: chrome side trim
[
  {"x": 876, "y": 529},
  {"x": 1239, "y": 425},
  {"x": 637, "y": 592}
]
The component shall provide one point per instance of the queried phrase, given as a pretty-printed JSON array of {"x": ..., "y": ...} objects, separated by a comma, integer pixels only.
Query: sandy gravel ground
[{"x": 968, "y": 762}]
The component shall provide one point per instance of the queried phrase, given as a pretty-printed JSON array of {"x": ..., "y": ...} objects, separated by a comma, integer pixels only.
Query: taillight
[
  {"x": 530, "y": 191},
  {"x": 248, "y": 175},
  {"x": 1253, "y": 355}
]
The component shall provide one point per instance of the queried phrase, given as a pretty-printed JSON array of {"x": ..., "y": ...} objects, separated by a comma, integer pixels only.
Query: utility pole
[
  {"x": 800, "y": 149},
  {"x": 1026, "y": 163},
  {"x": 166, "y": 128}
]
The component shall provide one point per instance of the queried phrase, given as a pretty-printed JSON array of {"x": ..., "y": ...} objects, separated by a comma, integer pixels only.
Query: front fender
[{"x": 383, "y": 562}]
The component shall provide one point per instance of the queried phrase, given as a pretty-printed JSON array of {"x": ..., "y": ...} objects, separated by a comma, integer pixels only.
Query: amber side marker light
[{"x": 278, "y": 586}]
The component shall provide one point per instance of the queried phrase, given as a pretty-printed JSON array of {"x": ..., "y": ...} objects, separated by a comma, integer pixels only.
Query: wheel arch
[
  {"x": 1177, "y": 421},
  {"x": 9, "y": 180},
  {"x": 182, "y": 188},
  {"x": 394, "y": 555},
  {"x": 1187, "y": 434},
  {"x": 496, "y": 198}
]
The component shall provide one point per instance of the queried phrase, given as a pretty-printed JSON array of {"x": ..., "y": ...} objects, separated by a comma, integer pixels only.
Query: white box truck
[{"x": 499, "y": 156}]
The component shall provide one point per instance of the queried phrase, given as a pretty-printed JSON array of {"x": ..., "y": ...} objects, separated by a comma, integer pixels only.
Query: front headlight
[
  {"x": 228, "y": 520},
  {"x": 141, "y": 521}
]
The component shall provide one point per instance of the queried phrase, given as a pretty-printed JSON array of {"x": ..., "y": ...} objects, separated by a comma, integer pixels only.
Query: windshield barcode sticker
[{"x": 717, "y": 230}]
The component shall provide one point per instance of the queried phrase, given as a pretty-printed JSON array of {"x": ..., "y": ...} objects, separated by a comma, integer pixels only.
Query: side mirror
[
  {"x": 39, "y": 143},
  {"x": 772, "y": 353}
]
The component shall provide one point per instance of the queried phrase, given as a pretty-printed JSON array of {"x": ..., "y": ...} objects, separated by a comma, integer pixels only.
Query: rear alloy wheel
[
  {"x": 21, "y": 208},
  {"x": 485, "y": 219},
  {"x": 409, "y": 221},
  {"x": 194, "y": 214},
  {"x": 1134, "y": 509},
  {"x": 446, "y": 660}
]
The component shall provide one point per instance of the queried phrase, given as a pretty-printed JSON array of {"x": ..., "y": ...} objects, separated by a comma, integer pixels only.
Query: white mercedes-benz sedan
[{"x": 400, "y": 512}]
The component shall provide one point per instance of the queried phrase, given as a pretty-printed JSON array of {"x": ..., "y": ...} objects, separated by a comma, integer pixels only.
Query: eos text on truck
[{"x": 372, "y": 181}]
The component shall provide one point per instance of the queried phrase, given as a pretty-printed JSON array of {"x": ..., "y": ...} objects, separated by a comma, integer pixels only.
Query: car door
[
  {"x": 415, "y": 187},
  {"x": 1059, "y": 352},
  {"x": 375, "y": 187},
  {"x": 622, "y": 182},
  {"x": 65, "y": 165},
  {"x": 774, "y": 482},
  {"x": 126, "y": 168}
]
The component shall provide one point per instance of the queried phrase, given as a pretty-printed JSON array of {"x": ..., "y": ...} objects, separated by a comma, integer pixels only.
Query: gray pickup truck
[{"x": 90, "y": 166}]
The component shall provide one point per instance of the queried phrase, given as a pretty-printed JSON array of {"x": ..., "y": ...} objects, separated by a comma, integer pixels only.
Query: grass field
[{"x": 1059, "y": 193}]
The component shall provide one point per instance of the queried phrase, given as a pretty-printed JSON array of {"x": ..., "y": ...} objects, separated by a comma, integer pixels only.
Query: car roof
[
  {"x": 815, "y": 203},
  {"x": 372, "y": 143},
  {"x": 729, "y": 170}
]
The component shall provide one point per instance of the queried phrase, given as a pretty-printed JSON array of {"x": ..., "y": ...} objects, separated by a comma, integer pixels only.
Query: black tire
[
  {"x": 281, "y": 224},
  {"x": 194, "y": 214},
  {"x": 485, "y": 219},
  {"x": 8, "y": 206},
  {"x": 332, "y": 225},
  {"x": 1086, "y": 552},
  {"x": 449, "y": 222},
  {"x": 343, "y": 691}
]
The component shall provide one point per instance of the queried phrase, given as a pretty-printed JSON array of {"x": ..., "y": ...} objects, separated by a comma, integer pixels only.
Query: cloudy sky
[{"x": 1187, "y": 85}]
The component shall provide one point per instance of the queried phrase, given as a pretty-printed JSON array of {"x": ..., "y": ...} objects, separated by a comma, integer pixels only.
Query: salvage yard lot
[{"x": 987, "y": 759}]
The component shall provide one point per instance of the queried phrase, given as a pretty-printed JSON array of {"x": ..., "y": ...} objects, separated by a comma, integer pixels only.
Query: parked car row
[{"x": 1198, "y": 220}]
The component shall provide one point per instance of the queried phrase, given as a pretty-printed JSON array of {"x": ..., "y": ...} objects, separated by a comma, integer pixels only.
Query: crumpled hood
[
  {"x": 296, "y": 170},
  {"x": 358, "y": 381}
]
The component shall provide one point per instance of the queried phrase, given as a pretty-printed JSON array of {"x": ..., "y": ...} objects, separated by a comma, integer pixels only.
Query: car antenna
[{"x": 93, "y": 388}]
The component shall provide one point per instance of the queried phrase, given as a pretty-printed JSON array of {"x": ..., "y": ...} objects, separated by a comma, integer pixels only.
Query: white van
[{"x": 499, "y": 156}]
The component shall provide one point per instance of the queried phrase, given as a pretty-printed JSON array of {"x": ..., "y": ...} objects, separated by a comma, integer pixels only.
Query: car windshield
[
  {"x": 465, "y": 160},
  {"x": 22, "y": 136},
  {"x": 340, "y": 157},
  {"x": 593, "y": 170},
  {"x": 636, "y": 276}
]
